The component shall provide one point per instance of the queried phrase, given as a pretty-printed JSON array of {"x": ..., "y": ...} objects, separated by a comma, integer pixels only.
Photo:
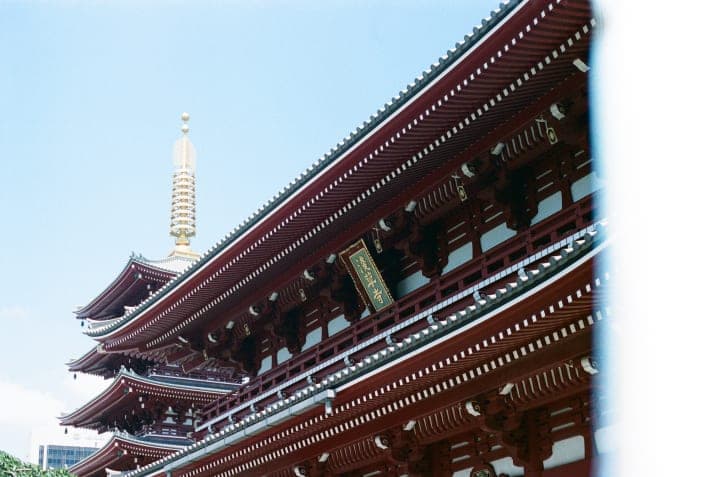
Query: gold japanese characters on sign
[{"x": 366, "y": 276}]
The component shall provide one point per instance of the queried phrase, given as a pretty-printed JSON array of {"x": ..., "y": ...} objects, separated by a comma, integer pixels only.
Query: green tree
[{"x": 12, "y": 467}]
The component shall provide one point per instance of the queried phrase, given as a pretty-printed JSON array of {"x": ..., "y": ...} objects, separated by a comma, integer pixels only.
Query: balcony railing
[
  {"x": 165, "y": 429},
  {"x": 294, "y": 373}
]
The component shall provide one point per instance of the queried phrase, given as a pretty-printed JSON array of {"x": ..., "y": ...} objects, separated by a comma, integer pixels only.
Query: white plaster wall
[
  {"x": 495, "y": 236},
  {"x": 411, "y": 283},
  {"x": 265, "y": 364},
  {"x": 585, "y": 185},
  {"x": 566, "y": 451},
  {"x": 337, "y": 324},
  {"x": 311, "y": 339},
  {"x": 459, "y": 256},
  {"x": 283, "y": 355},
  {"x": 548, "y": 206}
]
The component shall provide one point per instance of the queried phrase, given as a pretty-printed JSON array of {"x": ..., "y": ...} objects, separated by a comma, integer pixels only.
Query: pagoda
[
  {"x": 149, "y": 406},
  {"x": 423, "y": 300}
]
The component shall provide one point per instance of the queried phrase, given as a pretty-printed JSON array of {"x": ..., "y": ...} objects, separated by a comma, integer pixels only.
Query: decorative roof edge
[
  {"x": 86, "y": 356},
  {"x": 386, "y": 111},
  {"x": 162, "y": 263},
  {"x": 134, "y": 259},
  {"x": 475, "y": 288},
  {"x": 126, "y": 437},
  {"x": 130, "y": 374},
  {"x": 591, "y": 244}
]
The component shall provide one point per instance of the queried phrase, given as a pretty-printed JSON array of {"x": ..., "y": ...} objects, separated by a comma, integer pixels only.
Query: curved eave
[
  {"x": 428, "y": 78},
  {"x": 285, "y": 235},
  {"x": 123, "y": 393},
  {"x": 87, "y": 362},
  {"x": 506, "y": 324},
  {"x": 123, "y": 285},
  {"x": 97, "y": 363},
  {"x": 107, "y": 456},
  {"x": 174, "y": 264}
]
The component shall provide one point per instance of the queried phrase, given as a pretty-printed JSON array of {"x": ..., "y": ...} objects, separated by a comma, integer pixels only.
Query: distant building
[
  {"x": 51, "y": 448},
  {"x": 52, "y": 456}
]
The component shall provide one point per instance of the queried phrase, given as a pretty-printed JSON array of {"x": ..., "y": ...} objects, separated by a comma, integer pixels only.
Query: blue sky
[{"x": 90, "y": 101}]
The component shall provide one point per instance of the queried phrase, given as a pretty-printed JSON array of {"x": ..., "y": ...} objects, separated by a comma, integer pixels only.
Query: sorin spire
[{"x": 182, "y": 212}]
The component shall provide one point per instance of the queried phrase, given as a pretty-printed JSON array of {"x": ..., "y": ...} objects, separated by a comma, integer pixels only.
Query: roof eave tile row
[
  {"x": 119, "y": 440},
  {"x": 135, "y": 265},
  {"x": 128, "y": 379},
  {"x": 126, "y": 333},
  {"x": 420, "y": 83},
  {"x": 588, "y": 245}
]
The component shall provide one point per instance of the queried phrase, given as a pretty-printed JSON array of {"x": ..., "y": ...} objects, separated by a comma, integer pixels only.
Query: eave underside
[
  {"x": 537, "y": 345},
  {"x": 130, "y": 287},
  {"x": 132, "y": 401},
  {"x": 568, "y": 30},
  {"x": 107, "y": 365},
  {"x": 122, "y": 454}
]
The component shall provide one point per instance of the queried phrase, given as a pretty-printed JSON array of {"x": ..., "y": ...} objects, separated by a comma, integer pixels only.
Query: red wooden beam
[{"x": 576, "y": 345}]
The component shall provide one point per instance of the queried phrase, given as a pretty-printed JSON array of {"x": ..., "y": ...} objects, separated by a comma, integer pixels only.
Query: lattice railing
[{"x": 293, "y": 374}]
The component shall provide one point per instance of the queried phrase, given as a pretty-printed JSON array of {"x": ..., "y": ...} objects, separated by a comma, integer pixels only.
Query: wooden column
[{"x": 538, "y": 446}]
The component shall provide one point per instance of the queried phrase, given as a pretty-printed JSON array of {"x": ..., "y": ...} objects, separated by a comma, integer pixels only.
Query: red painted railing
[
  {"x": 524, "y": 244},
  {"x": 166, "y": 429}
]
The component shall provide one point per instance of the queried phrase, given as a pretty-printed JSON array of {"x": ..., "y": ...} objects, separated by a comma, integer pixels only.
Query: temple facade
[
  {"x": 422, "y": 300},
  {"x": 149, "y": 407}
]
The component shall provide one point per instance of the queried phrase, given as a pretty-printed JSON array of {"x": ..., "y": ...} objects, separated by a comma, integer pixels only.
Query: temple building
[
  {"x": 148, "y": 407},
  {"x": 422, "y": 300}
]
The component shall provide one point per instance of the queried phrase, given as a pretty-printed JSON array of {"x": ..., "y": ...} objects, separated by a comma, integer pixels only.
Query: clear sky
[{"x": 90, "y": 100}]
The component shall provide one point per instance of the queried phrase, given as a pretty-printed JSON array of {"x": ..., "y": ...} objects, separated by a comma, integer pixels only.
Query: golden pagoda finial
[{"x": 182, "y": 211}]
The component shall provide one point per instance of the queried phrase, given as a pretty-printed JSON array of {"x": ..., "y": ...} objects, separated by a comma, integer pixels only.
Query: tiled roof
[
  {"x": 160, "y": 270},
  {"x": 175, "y": 263},
  {"x": 593, "y": 241},
  {"x": 386, "y": 111},
  {"x": 119, "y": 438},
  {"x": 178, "y": 385}
]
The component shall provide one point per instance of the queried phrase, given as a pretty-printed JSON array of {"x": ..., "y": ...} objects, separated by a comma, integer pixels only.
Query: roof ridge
[
  {"x": 385, "y": 112},
  {"x": 588, "y": 244}
]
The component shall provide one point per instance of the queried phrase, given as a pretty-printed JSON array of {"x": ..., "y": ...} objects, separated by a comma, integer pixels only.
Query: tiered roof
[
  {"x": 135, "y": 281},
  {"x": 522, "y": 332},
  {"x": 99, "y": 364},
  {"x": 124, "y": 452},
  {"x": 504, "y": 74},
  {"x": 129, "y": 393},
  {"x": 493, "y": 74},
  {"x": 156, "y": 403},
  {"x": 138, "y": 279}
]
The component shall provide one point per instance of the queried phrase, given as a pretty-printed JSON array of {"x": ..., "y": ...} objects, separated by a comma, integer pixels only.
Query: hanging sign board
[{"x": 366, "y": 276}]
